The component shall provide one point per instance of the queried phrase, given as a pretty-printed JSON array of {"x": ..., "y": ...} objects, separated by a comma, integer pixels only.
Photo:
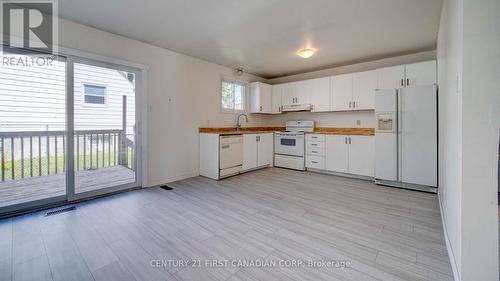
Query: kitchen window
[
  {"x": 232, "y": 98},
  {"x": 94, "y": 94}
]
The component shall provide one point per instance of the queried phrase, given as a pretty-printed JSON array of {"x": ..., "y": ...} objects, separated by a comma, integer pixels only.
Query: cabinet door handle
[
  {"x": 402, "y": 82},
  {"x": 345, "y": 140},
  {"x": 349, "y": 140},
  {"x": 350, "y": 104},
  {"x": 353, "y": 104},
  {"x": 407, "y": 81},
  {"x": 260, "y": 109}
]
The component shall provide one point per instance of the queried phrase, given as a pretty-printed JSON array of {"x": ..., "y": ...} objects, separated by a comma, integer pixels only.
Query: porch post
[{"x": 123, "y": 153}]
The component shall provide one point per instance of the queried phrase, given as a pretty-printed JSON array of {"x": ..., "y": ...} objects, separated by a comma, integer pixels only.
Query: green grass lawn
[{"x": 48, "y": 166}]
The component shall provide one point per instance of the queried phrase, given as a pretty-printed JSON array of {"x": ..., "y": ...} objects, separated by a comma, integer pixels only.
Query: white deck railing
[{"x": 42, "y": 153}]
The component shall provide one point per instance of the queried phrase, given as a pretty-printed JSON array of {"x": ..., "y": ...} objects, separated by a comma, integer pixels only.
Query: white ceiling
[{"x": 262, "y": 36}]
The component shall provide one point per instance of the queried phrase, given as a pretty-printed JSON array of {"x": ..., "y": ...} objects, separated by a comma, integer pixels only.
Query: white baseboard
[
  {"x": 156, "y": 182},
  {"x": 451, "y": 254}
]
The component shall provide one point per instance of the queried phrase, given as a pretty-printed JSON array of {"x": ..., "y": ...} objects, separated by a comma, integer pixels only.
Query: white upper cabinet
[
  {"x": 341, "y": 92},
  {"x": 276, "y": 93},
  {"x": 260, "y": 98},
  {"x": 415, "y": 74},
  {"x": 362, "y": 155},
  {"x": 391, "y": 77},
  {"x": 320, "y": 94},
  {"x": 421, "y": 73},
  {"x": 303, "y": 91},
  {"x": 288, "y": 96},
  {"x": 363, "y": 94},
  {"x": 345, "y": 92}
]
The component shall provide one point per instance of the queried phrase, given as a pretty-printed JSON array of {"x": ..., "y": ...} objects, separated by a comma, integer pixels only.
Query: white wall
[
  {"x": 468, "y": 70},
  {"x": 193, "y": 84},
  {"x": 449, "y": 61},
  {"x": 480, "y": 136}
]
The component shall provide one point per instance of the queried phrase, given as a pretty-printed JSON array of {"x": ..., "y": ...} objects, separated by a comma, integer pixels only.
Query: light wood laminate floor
[{"x": 274, "y": 216}]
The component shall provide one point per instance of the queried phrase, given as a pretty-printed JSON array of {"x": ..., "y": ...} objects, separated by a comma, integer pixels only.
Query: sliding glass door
[
  {"x": 104, "y": 122},
  {"x": 32, "y": 131},
  {"x": 68, "y": 130}
]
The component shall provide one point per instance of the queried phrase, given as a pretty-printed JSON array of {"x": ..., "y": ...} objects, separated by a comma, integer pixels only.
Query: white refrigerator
[{"x": 406, "y": 137}]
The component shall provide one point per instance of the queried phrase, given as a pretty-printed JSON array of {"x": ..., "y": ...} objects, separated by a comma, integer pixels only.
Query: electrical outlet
[{"x": 171, "y": 99}]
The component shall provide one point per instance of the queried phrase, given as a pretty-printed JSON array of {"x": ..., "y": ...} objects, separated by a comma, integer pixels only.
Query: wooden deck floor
[
  {"x": 19, "y": 191},
  {"x": 272, "y": 215}
]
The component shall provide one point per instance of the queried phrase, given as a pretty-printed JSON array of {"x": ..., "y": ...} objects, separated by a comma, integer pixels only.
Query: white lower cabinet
[
  {"x": 249, "y": 152},
  {"x": 258, "y": 150},
  {"x": 342, "y": 154},
  {"x": 315, "y": 151},
  {"x": 337, "y": 153},
  {"x": 362, "y": 155},
  {"x": 265, "y": 149}
]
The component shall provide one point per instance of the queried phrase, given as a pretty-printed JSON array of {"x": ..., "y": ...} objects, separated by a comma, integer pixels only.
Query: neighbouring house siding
[
  {"x": 108, "y": 116},
  {"x": 32, "y": 98}
]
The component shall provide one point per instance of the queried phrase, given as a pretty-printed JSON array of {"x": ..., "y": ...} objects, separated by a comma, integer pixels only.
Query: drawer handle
[
  {"x": 314, "y": 144},
  {"x": 314, "y": 151},
  {"x": 315, "y": 162},
  {"x": 225, "y": 146}
]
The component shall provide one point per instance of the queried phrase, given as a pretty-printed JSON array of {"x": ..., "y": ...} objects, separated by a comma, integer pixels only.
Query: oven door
[{"x": 289, "y": 145}]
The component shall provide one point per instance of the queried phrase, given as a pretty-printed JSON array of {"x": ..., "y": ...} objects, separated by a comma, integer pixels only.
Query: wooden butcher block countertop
[
  {"x": 260, "y": 130},
  {"x": 345, "y": 131},
  {"x": 243, "y": 130}
]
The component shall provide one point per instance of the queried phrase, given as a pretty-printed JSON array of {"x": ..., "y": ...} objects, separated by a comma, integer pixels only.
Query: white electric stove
[{"x": 289, "y": 145}]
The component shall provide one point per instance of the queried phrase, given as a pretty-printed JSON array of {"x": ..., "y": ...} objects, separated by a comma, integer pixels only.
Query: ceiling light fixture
[{"x": 306, "y": 52}]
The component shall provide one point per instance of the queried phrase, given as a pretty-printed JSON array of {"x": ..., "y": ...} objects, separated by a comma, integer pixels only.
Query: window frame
[
  {"x": 106, "y": 96},
  {"x": 244, "y": 98}
]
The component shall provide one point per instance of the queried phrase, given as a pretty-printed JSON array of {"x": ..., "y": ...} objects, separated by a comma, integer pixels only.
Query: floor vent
[
  {"x": 66, "y": 209},
  {"x": 166, "y": 187}
]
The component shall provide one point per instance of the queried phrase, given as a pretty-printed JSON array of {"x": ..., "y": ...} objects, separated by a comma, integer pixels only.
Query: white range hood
[{"x": 296, "y": 107}]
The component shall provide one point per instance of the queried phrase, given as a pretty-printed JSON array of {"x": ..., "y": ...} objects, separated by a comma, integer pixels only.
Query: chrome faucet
[{"x": 238, "y": 124}]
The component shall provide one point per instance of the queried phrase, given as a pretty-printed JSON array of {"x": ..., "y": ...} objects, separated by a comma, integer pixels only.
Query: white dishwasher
[{"x": 230, "y": 155}]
